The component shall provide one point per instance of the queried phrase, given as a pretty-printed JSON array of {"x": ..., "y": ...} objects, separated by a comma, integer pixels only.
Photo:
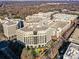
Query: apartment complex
[
  {"x": 10, "y": 29},
  {"x": 43, "y": 28},
  {"x": 10, "y": 26},
  {"x": 38, "y": 29}
]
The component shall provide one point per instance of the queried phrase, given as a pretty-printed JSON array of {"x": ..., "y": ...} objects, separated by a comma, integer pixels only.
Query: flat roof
[
  {"x": 32, "y": 19},
  {"x": 64, "y": 16},
  {"x": 39, "y": 16},
  {"x": 46, "y": 25},
  {"x": 9, "y": 23},
  {"x": 36, "y": 28},
  {"x": 59, "y": 24},
  {"x": 42, "y": 25},
  {"x": 75, "y": 36}
]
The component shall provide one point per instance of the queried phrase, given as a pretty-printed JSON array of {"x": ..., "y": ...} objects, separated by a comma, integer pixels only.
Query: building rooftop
[
  {"x": 10, "y": 23},
  {"x": 32, "y": 28},
  {"x": 72, "y": 52},
  {"x": 59, "y": 24},
  {"x": 31, "y": 19},
  {"x": 38, "y": 17},
  {"x": 42, "y": 25},
  {"x": 75, "y": 36},
  {"x": 64, "y": 16}
]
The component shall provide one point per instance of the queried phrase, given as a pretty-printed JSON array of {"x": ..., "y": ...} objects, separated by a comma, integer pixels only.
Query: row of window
[{"x": 35, "y": 40}]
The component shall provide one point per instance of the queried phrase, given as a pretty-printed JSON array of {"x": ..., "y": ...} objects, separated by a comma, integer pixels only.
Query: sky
[{"x": 39, "y": 0}]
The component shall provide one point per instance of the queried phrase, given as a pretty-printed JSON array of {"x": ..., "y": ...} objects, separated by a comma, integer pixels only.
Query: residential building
[
  {"x": 9, "y": 28},
  {"x": 39, "y": 28},
  {"x": 39, "y": 35},
  {"x": 42, "y": 28},
  {"x": 34, "y": 36}
]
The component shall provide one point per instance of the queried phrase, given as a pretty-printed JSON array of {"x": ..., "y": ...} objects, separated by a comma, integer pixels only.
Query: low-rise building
[{"x": 72, "y": 52}]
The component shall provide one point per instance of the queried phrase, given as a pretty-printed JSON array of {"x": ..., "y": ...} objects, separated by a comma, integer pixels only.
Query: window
[
  {"x": 35, "y": 40},
  {"x": 41, "y": 39},
  {"x": 24, "y": 39},
  {"x": 45, "y": 39}
]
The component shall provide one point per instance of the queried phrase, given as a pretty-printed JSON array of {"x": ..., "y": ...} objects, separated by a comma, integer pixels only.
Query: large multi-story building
[
  {"x": 43, "y": 28},
  {"x": 39, "y": 28},
  {"x": 10, "y": 29},
  {"x": 10, "y": 26},
  {"x": 40, "y": 34},
  {"x": 34, "y": 35},
  {"x": 72, "y": 52}
]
